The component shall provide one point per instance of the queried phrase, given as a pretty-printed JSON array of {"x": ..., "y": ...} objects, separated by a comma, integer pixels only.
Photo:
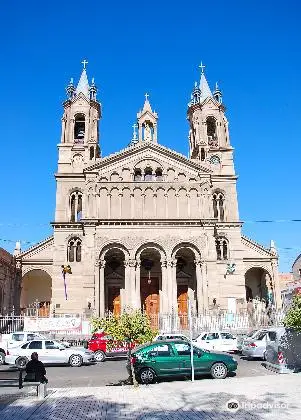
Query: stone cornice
[
  {"x": 69, "y": 175},
  {"x": 144, "y": 146}
]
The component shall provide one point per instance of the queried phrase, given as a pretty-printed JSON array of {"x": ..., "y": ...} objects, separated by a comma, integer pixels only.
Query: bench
[{"x": 15, "y": 379}]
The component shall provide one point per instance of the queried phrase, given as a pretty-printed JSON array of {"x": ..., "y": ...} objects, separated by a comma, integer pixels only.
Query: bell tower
[
  {"x": 147, "y": 123},
  {"x": 208, "y": 125},
  {"x": 79, "y": 144}
]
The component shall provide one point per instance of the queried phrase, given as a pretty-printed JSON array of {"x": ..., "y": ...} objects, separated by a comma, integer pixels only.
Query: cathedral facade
[{"x": 146, "y": 227}]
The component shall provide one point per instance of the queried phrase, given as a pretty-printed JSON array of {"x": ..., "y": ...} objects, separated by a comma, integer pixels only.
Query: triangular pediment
[
  {"x": 146, "y": 151},
  {"x": 41, "y": 251},
  {"x": 254, "y": 250},
  {"x": 182, "y": 275}
]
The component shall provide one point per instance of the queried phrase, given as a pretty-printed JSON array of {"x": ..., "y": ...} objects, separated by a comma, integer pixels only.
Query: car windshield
[{"x": 260, "y": 335}]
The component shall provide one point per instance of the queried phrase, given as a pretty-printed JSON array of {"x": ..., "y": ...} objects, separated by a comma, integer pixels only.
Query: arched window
[
  {"x": 218, "y": 206},
  {"x": 76, "y": 206},
  {"x": 148, "y": 174},
  {"x": 74, "y": 252},
  {"x": 221, "y": 245},
  {"x": 159, "y": 175},
  {"x": 137, "y": 175},
  {"x": 79, "y": 128},
  {"x": 211, "y": 131}
]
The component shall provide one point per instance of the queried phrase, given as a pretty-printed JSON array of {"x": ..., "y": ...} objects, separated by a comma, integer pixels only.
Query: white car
[
  {"x": 49, "y": 352},
  {"x": 217, "y": 341},
  {"x": 171, "y": 336}
]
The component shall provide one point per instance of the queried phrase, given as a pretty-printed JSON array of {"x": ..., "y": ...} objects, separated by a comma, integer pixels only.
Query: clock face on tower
[{"x": 215, "y": 160}]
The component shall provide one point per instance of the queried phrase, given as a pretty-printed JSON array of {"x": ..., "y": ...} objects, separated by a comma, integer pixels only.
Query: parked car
[
  {"x": 173, "y": 358},
  {"x": 242, "y": 337},
  {"x": 215, "y": 340},
  {"x": 99, "y": 344},
  {"x": 49, "y": 352},
  {"x": 283, "y": 349},
  {"x": 15, "y": 339},
  {"x": 255, "y": 346},
  {"x": 171, "y": 336}
]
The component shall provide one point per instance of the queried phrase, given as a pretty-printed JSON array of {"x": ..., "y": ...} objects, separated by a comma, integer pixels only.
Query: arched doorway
[
  {"x": 36, "y": 293},
  {"x": 186, "y": 283},
  {"x": 150, "y": 281},
  {"x": 258, "y": 285},
  {"x": 114, "y": 280}
]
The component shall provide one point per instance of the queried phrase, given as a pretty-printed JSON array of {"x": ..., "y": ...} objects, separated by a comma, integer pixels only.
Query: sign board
[{"x": 52, "y": 324}]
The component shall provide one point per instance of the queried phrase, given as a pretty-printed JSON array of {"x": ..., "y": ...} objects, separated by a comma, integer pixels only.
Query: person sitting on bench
[{"x": 35, "y": 370}]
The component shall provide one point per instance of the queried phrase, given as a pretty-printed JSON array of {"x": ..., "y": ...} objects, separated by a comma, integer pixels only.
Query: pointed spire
[
  {"x": 17, "y": 250},
  {"x": 134, "y": 138},
  {"x": 147, "y": 105},
  {"x": 83, "y": 84},
  {"x": 204, "y": 87},
  {"x": 70, "y": 89},
  {"x": 217, "y": 94},
  {"x": 93, "y": 90}
]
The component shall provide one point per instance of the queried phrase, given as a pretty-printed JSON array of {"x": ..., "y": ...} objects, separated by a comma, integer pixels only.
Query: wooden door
[
  {"x": 182, "y": 293},
  {"x": 150, "y": 299},
  {"x": 44, "y": 309},
  {"x": 114, "y": 303}
]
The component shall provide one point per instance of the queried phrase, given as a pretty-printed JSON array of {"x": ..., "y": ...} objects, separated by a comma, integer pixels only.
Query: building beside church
[
  {"x": 146, "y": 227},
  {"x": 10, "y": 279}
]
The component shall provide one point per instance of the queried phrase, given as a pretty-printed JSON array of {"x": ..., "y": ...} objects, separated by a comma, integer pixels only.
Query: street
[{"x": 113, "y": 372}]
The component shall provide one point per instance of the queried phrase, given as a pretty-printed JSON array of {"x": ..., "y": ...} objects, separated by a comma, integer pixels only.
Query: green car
[{"x": 172, "y": 358}]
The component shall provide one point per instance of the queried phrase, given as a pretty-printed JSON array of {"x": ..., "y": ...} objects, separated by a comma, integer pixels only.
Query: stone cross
[
  {"x": 84, "y": 63},
  {"x": 202, "y": 68},
  {"x": 146, "y": 96}
]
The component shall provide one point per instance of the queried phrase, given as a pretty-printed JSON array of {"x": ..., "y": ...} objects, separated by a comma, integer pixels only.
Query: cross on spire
[
  {"x": 201, "y": 66},
  {"x": 84, "y": 63},
  {"x": 146, "y": 96}
]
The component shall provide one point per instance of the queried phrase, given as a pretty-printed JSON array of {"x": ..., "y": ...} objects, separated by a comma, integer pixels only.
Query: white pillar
[
  {"x": 164, "y": 284},
  {"x": 137, "y": 283},
  {"x": 126, "y": 297},
  {"x": 96, "y": 289},
  {"x": 199, "y": 286},
  {"x": 205, "y": 286},
  {"x": 172, "y": 285},
  {"x": 102, "y": 264}
]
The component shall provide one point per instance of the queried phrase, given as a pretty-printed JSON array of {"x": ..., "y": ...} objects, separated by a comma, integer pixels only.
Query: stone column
[
  {"x": 129, "y": 284},
  {"x": 137, "y": 284},
  {"x": 205, "y": 286},
  {"x": 96, "y": 289},
  {"x": 164, "y": 276},
  {"x": 172, "y": 285},
  {"x": 277, "y": 291},
  {"x": 199, "y": 285},
  {"x": 132, "y": 205},
  {"x": 102, "y": 264}
]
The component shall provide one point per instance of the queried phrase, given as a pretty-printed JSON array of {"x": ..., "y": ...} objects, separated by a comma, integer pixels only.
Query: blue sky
[{"x": 251, "y": 48}]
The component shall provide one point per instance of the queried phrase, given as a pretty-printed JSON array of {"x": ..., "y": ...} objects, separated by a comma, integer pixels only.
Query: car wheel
[
  {"x": 146, "y": 376},
  {"x": 219, "y": 371},
  {"x": 99, "y": 356},
  {"x": 76, "y": 360},
  {"x": 21, "y": 362},
  {"x": 2, "y": 358}
]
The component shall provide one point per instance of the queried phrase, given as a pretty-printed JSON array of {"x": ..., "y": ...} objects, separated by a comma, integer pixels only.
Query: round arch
[
  {"x": 114, "y": 245},
  {"x": 152, "y": 246},
  {"x": 36, "y": 289},
  {"x": 258, "y": 283},
  {"x": 186, "y": 245}
]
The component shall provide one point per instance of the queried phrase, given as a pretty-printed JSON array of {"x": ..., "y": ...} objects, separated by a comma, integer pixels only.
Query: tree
[
  {"x": 132, "y": 328},
  {"x": 293, "y": 316}
]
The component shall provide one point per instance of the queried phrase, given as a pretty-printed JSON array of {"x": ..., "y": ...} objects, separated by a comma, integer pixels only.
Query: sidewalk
[{"x": 263, "y": 397}]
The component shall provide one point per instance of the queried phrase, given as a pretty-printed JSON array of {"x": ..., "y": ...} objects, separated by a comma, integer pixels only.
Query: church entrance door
[
  {"x": 182, "y": 294},
  {"x": 114, "y": 304},
  {"x": 150, "y": 299}
]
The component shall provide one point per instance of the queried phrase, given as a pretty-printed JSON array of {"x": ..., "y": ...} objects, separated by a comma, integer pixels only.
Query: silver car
[
  {"x": 255, "y": 346},
  {"x": 50, "y": 352}
]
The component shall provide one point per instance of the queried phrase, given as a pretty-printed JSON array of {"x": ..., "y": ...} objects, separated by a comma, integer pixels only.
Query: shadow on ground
[{"x": 59, "y": 406}]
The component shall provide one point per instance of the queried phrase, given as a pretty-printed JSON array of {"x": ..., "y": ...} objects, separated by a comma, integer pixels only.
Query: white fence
[{"x": 79, "y": 326}]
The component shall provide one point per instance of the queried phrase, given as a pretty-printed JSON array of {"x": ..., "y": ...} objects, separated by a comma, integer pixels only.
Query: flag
[{"x": 66, "y": 269}]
